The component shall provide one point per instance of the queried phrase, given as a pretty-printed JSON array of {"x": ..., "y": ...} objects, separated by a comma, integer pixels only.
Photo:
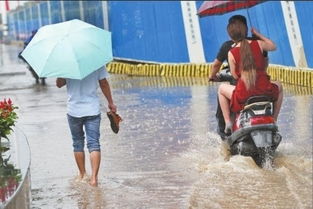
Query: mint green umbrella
[{"x": 71, "y": 49}]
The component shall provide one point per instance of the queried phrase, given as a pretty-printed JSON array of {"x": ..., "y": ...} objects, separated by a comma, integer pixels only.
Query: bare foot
[
  {"x": 93, "y": 182},
  {"x": 82, "y": 179},
  {"x": 85, "y": 179}
]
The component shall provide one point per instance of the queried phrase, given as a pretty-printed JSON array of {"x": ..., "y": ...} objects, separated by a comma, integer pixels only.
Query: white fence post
[
  {"x": 294, "y": 34},
  {"x": 192, "y": 31}
]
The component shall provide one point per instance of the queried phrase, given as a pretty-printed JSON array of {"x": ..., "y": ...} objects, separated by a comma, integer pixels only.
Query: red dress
[{"x": 263, "y": 85}]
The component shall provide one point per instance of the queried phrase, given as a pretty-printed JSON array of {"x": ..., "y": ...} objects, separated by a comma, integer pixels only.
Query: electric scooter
[{"x": 254, "y": 132}]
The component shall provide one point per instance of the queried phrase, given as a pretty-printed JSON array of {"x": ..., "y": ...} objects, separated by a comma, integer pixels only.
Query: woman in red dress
[{"x": 248, "y": 66}]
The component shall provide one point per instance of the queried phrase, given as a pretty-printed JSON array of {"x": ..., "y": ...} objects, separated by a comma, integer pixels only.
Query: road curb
[{"x": 14, "y": 73}]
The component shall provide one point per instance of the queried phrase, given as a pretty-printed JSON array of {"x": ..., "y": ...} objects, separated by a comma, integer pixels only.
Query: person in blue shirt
[{"x": 83, "y": 114}]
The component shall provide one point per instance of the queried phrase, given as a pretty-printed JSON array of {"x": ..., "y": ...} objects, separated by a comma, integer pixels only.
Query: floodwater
[{"x": 167, "y": 153}]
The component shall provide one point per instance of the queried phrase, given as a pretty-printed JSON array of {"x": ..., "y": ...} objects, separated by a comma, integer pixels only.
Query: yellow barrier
[
  {"x": 170, "y": 81},
  {"x": 288, "y": 75}
]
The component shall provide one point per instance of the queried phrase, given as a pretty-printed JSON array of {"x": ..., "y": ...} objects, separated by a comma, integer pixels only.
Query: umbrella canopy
[
  {"x": 71, "y": 49},
  {"x": 222, "y": 7}
]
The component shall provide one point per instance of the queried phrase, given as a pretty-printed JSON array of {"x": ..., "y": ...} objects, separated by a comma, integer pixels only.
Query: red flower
[{"x": 7, "y": 117}]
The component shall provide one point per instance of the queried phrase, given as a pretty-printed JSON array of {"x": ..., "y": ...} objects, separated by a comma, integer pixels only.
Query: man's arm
[
  {"x": 215, "y": 68},
  {"x": 106, "y": 90},
  {"x": 220, "y": 58},
  {"x": 60, "y": 82}
]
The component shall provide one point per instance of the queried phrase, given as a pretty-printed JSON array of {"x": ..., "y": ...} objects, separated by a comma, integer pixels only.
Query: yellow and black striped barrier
[
  {"x": 292, "y": 75},
  {"x": 287, "y": 75},
  {"x": 167, "y": 81}
]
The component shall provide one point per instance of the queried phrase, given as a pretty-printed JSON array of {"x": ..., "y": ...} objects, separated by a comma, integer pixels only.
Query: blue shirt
[{"x": 83, "y": 99}]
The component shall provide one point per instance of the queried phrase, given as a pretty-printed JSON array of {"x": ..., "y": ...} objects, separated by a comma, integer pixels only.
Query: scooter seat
[
  {"x": 258, "y": 106},
  {"x": 255, "y": 99}
]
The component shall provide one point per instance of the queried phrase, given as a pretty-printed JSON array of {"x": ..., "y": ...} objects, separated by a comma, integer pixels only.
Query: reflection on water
[{"x": 1, "y": 54}]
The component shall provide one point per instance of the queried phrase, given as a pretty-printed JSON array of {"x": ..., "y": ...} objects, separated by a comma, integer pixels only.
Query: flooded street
[{"x": 167, "y": 153}]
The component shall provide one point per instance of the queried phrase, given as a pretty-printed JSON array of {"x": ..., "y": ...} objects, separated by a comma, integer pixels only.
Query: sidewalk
[
  {"x": 14, "y": 73},
  {"x": 42, "y": 117},
  {"x": 10, "y": 64}
]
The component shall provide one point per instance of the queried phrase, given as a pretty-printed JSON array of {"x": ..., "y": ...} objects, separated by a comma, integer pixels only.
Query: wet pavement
[{"x": 167, "y": 153}]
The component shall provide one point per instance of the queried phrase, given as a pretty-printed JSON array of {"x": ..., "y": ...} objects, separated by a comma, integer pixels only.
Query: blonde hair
[{"x": 238, "y": 32}]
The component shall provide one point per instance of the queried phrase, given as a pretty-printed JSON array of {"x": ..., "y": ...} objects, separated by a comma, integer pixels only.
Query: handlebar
[{"x": 223, "y": 75}]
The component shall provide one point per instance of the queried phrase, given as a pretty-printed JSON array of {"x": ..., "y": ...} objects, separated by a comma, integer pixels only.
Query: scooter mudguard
[{"x": 240, "y": 133}]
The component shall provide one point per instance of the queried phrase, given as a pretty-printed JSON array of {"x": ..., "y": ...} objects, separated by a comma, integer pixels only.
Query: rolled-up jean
[{"x": 89, "y": 124}]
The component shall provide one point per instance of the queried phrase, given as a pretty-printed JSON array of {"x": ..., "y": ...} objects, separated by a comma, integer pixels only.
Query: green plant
[
  {"x": 8, "y": 117},
  {"x": 9, "y": 175}
]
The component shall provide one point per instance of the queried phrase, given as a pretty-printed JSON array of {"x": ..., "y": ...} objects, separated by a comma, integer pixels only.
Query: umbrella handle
[
  {"x": 249, "y": 18},
  {"x": 252, "y": 35}
]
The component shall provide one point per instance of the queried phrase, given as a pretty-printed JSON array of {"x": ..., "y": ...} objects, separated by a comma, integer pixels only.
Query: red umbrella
[{"x": 222, "y": 7}]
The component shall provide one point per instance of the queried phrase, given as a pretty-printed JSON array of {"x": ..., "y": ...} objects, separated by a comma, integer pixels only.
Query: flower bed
[
  {"x": 10, "y": 176},
  {"x": 8, "y": 118}
]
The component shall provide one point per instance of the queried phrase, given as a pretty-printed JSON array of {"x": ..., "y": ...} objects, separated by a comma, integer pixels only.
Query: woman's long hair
[{"x": 238, "y": 32}]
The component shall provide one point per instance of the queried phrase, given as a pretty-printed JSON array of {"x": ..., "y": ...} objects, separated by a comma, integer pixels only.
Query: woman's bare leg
[
  {"x": 279, "y": 101},
  {"x": 225, "y": 92}
]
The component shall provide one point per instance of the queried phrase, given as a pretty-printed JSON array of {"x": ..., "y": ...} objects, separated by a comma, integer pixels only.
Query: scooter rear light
[{"x": 261, "y": 120}]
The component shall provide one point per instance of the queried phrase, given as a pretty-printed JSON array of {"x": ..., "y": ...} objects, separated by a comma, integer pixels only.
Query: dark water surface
[{"x": 167, "y": 153}]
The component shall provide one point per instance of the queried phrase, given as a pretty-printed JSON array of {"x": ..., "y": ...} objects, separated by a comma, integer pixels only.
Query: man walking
[{"x": 83, "y": 113}]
